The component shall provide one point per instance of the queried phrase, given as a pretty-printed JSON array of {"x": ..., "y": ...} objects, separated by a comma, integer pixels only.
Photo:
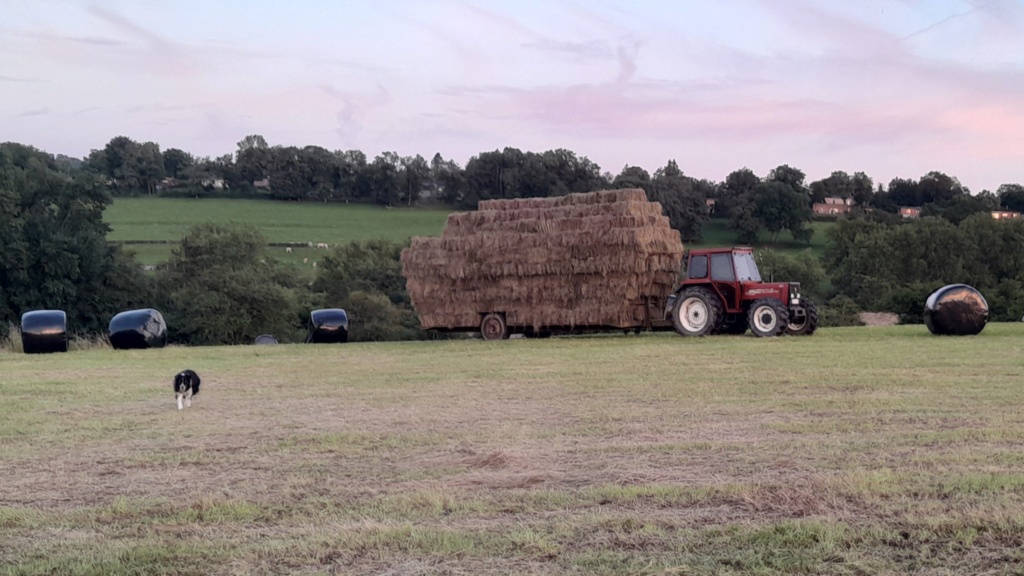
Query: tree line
[
  {"x": 755, "y": 206},
  {"x": 220, "y": 285}
]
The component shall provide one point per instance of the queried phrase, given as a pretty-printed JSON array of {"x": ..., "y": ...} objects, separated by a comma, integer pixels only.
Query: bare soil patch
[{"x": 879, "y": 318}]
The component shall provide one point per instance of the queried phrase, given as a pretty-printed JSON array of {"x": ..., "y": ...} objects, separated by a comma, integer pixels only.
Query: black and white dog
[{"x": 186, "y": 385}]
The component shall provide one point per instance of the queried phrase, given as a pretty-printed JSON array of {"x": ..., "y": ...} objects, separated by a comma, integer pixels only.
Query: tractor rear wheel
[
  {"x": 697, "y": 312},
  {"x": 767, "y": 317},
  {"x": 493, "y": 327},
  {"x": 805, "y": 320}
]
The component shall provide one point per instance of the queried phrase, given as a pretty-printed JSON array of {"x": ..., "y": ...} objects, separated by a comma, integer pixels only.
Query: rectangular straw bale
[{"x": 576, "y": 260}]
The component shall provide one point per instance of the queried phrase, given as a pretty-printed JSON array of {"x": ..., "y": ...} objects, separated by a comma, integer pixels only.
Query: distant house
[
  {"x": 264, "y": 183},
  {"x": 215, "y": 183},
  {"x": 1005, "y": 214},
  {"x": 168, "y": 183},
  {"x": 910, "y": 211},
  {"x": 833, "y": 205},
  {"x": 710, "y": 203}
]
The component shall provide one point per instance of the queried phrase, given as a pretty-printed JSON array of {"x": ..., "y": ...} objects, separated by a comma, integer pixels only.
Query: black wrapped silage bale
[
  {"x": 138, "y": 329},
  {"x": 44, "y": 331},
  {"x": 955, "y": 310},
  {"x": 328, "y": 326}
]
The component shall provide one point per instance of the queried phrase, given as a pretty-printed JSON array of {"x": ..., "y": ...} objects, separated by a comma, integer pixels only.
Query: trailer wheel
[
  {"x": 805, "y": 320},
  {"x": 768, "y": 317},
  {"x": 493, "y": 327},
  {"x": 697, "y": 312}
]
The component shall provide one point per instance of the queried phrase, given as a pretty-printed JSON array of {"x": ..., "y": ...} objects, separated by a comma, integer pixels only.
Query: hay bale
[
  {"x": 955, "y": 310},
  {"x": 328, "y": 326},
  {"x": 137, "y": 329},
  {"x": 44, "y": 331},
  {"x": 581, "y": 260}
]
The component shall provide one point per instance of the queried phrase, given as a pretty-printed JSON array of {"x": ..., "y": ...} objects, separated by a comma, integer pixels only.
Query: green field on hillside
[
  {"x": 717, "y": 233},
  {"x": 167, "y": 219},
  {"x": 136, "y": 221},
  {"x": 854, "y": 451}
]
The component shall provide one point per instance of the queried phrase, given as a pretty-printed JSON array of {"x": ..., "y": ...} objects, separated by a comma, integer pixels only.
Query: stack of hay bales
[{"x": 582, "y": 260}]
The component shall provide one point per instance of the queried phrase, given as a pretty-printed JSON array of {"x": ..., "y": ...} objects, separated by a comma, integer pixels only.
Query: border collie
[{"x": 186, "y": 385}]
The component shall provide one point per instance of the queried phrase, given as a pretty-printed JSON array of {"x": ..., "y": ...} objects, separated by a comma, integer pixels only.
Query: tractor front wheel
[
  {"x": 493, "y": 327},
  {"x": 697, "y": 312},
  {"x": 767, "y": 317},
  {"x": 803, "y": 319}
]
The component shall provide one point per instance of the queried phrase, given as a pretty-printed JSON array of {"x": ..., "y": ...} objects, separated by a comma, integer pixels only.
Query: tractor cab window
[
  {"x": 698, "y": 267},
  {"x": 746, "y": 268},
  {"x": 721, "y": 268}
]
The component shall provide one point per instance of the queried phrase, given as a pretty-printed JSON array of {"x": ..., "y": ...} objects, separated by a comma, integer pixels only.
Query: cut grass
[{"x": 855, "y": 451}]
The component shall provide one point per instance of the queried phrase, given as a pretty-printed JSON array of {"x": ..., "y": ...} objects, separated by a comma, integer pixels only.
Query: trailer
[{"x": 606, "y": 260}]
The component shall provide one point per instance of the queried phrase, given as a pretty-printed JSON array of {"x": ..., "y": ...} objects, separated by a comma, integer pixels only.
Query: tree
[
  {"x": 903, "y": 192},
  {"x": 858, "y": 187},
  {"x": 413, "y": 178},
  {"x": 686, "y": 208},
  {"x": 632, "y": 177},
  {"x": 366, "y": 279},
  {"x": 353, "y": 176},
  {"x": 322, "y": 173},
  {"x": 735, "y": 200},
  {"x": 485, "y": 177},
  {"x": 802, "y": 267},
  {"x": 148, "y": 165},
  {"x": 219, "y": 287},
  {"x": 786, "y": 174},
  {"x": 778, "y": 207},
  {"x": 570, "y": 173},
  {"x": 384, "y": 176},
  {"x": 1011, "y": 197},
  {"x": 176, "y": 162},
  {"x": 893, "y": 267},
  {"x": 957, "y": 209},
  {"x": 861, "y": 189},
  {"x": 129, "y": 168},
  {"x": 939, "y": 188},
  {"x": 253, "y": 158},
  {"x": 445, "y": 181},
  {"x": 53, "y": 247}
]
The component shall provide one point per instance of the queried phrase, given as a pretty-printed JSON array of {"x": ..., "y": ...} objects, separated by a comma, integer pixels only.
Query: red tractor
[{"x": 723, "y": 294}]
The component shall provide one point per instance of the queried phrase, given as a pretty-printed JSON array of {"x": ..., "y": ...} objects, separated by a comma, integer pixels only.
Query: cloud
[
  {"x": 35, "y": 112},
  {"x": 598, "y": 49},
  {"x": 4, "y": 78},
  {"x": 123, "y": 24},
  {"x": 355, "y": 109}
]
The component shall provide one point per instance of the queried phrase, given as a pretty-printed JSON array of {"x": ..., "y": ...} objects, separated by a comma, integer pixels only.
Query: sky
[{"x": 891, "y": 88}]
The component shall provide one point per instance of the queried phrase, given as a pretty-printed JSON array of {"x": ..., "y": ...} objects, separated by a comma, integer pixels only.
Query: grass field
[
  {"x": 855, "y": 451},
  {"x": 717, "y": 233},
  {"x": 167, "y": 219}
]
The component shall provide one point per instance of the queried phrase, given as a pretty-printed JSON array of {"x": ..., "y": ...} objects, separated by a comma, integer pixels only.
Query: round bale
[
  {"x": 955, "y": 310},
  {"x": 44, "y": 331},
  {"x": 328, "y": 326},
  {"x": 138, "y": 329}
]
